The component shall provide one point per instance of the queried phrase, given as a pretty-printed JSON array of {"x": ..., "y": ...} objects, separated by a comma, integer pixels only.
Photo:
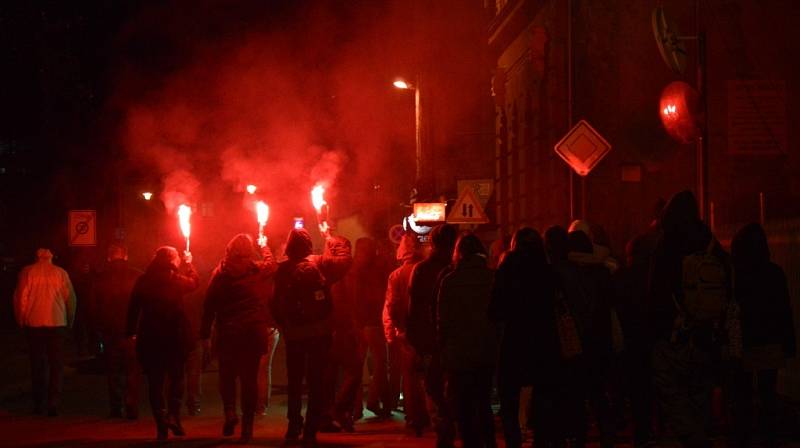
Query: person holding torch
[{"x": 159, "y": 326}]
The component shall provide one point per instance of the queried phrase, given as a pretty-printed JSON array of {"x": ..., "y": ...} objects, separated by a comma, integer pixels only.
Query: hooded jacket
[
  {"x": 761, "y": 290},
  {"x": 302, "y": 305},
  {"x": 44, "y": 296},
  {"x": 395, "y": 307},
  {"x": 683, "y": 234},
  {"x": 157, "y": 313},
  {"x": 238, "y": 295}
]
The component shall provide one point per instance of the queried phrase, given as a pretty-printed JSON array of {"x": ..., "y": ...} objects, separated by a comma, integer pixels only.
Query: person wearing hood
[
  {"x": 111, "y": 294},
  {"x": 236, "y": 305},
  {"x": 423, "y": 290},
  {"x": 467, "y": 340},
  {"x": 768, "y": 337},
  {"x": 395, "y": 312},
  {"x": 44, "y": 306},
  {"x": 682, "y": 355},
  {"x": 523, "y": 301},
  {"x": 158, "y": 324},
  {"x": 303, "y": 310}
]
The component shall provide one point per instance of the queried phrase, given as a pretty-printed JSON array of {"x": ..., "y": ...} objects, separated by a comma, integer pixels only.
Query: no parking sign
[{"x": 82, "y": 229}]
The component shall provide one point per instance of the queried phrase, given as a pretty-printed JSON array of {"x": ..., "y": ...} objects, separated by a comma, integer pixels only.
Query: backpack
[
  {"x": 307, "y": 298},
  {"x": 705, "y": 291}
]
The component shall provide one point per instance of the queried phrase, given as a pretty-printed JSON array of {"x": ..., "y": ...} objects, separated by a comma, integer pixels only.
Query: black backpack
[{"x": 306, "y": 297}]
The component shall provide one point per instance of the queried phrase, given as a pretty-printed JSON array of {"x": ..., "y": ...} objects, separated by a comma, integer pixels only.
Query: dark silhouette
[
  {"x": 157, "y": 321},
  {"x": 237, "y": 303}
]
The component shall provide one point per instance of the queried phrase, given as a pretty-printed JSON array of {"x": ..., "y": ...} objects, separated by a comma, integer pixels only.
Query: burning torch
[
  {"x": 262, "y": 214},
  {"x": 184, "y": 218},
  {"x": 318, "y": 199}
]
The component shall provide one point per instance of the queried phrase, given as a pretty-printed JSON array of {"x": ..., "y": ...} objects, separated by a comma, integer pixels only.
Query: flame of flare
[
  {"x": 262, "y": 212},
  {"x": 317, "y": 197},
  {"x": 184, "y": 217}
]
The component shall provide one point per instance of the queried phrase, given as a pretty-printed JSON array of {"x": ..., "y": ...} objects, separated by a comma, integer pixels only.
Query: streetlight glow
[
  {"x": 252, "y": 189},
  {"x": 147, "y": 195},
  {"x": 400, "y": 84}
]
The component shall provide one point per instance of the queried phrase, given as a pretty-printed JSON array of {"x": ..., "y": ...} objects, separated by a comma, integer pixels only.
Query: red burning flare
[
  {"x": 184, "y": 219},
  {"x": 262, "y": 215},
  {"x": 318, "y": 200}
]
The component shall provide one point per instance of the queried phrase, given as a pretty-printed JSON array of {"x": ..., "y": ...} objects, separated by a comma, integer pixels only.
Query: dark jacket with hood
[
  {"x": 423, "y": 289},
  {"x": 157, "y": 313},
  {"x": 683, "y": 234},
  {"x": 762, "y": 293},
  {"x": 467, "y": 338},
  {"x": 302, "y": 305},
  {"x": 111, "y": 294},
  {"x": 237, "y": 297},
  {"x": 523, "y": 300}
]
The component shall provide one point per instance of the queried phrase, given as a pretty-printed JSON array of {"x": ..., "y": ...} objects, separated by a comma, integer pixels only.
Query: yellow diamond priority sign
[{"x": 582, "y": 148}]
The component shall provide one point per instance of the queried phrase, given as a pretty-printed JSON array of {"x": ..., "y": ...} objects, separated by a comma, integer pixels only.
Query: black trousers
[
  {"x": 436, "y": 403},
  {"x": 165, "y": 386},
  {"x": 45, "y": 345},
  {"x": 344, "y": 356},
  {"x": 764, "y": 383},
  {"x": 469, "y": 396},
  {"x": 124, "y": 375},
  {"x": 307, "y": 359},
  {"x": 240, "y": 362}
]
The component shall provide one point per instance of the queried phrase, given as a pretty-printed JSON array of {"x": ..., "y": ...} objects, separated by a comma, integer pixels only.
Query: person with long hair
[
  {"x": 237, "y": 302},
  {"x": 158, "y": 323},
  {"x": 523, "y": 300}
]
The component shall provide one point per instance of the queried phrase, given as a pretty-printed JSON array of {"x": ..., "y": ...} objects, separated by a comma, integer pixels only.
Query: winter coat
[
  {"x": 766, "y": 311},
  {"x": 395, "y": 307},
  {"x": 367, "y": 284},
  {"x": 111, "y": 294},
  {"x": 157, "y": 313},
  {"x": 423, "y": 290},
  {"x": 237, "y": 301},
  {"x": 631, "y": 287},
  {"x": 466, "y": 337},
  {"x": 523, "y": 300},
  {"x": 305, "y": 279},
  {"x": 44, "y": 296},
  {"x": 683, "y": 234},
  {"x": 590, "y": 295}
]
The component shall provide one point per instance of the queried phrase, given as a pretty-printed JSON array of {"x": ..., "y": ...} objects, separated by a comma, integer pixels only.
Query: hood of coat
[
  {"x": 681, "y": 212},
  {"x": 750, "y": 248},
  {"x": 240, "y": 254},
  {"x": 299, "y": 244}
]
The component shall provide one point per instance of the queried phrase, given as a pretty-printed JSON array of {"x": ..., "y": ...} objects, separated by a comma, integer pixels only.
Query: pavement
[{"x": 82, "y": 420}]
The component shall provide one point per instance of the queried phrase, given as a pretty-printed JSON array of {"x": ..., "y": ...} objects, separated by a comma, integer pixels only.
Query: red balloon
[{"x": 679, "y": 111}]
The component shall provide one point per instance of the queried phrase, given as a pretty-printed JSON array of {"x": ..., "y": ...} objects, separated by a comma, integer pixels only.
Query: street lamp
[
  {"x": 251, "y": 189},
  {"x": 405, "y": 85},
  {"x": 147, "y": 195}
]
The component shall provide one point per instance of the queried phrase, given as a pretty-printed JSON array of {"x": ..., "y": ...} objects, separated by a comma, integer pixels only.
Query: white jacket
[{"x": 44, "y": 296}]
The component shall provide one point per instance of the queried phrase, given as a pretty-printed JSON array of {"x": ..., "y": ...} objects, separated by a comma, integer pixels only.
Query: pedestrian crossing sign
[{"x": 467, "y": 209}]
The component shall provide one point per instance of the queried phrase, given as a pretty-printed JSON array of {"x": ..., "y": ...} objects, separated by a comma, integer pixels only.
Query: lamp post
[{"x": 405, "y": 85}]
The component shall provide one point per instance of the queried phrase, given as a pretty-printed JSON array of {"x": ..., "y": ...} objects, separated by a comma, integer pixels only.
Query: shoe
[
  {"x": 193, "y": 410},
  {"x": 115, "y": 413},
  {"x": 247, "y": 428},
  {"x": 347, "y": 425},
  {"x": 162, "y": 432},
  {"x": 52, "y": 412},
  {"x": 231, "y": 420},
  {"x": 293, "y": 432},
  {"x": 174, "y": 424}
]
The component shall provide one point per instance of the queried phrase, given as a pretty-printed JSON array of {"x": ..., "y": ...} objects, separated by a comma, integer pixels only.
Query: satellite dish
[{"x": 669, "y": 43}]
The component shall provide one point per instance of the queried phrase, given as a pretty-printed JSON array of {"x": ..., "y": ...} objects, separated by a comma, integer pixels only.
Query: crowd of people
[{"x": 451, "y": 326}]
